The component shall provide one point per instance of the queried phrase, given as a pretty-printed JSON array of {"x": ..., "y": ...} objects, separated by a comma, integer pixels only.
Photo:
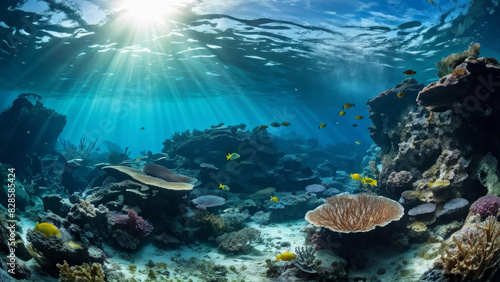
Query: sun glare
[{"x": 147, "y": 10}]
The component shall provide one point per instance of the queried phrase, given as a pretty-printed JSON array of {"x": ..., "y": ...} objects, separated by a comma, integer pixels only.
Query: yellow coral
[
  {"x": 83, "y": 273},
  {"x": 418, "y": 226}
]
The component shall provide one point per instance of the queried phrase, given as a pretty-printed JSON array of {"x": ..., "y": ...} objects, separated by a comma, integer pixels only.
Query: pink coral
[
  {"x": 486, "y": 206},
  {"x": 132, "y": 223}
]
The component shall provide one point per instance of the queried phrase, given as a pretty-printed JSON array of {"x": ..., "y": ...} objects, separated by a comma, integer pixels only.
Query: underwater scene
[{"x": 249, "y": 140}]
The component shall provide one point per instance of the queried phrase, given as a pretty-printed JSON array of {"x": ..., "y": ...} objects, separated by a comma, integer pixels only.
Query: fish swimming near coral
[
  {"x": 323, "y": 125},
  {"x": 262, "y": 127},
  {"x": 355, "y": 176},
  {"x": 224, "y": 187},
  {"x": 47, "y": 229},
  {"x": 342, "y": 113},
  {"x": 409, "y": 72},
  {"x": 286, "y": 256},
  {"x": 136, "y": 160},
  {"x": 439, "y": 183},
  {"x": 348, "y": 106},
  {"x": 358, "y": 117},
  {"x": 75, "y": 245},
  {"x": 285, "y": 123},
  {"x": 358, "y": 143},
  {"x": 369, "y": 181},
  {"x": 233, "y": 156},
  {"x": 400, "y": 94},
  {"x": 274, "y": 199},
  {"x": 275, "y": 124}
]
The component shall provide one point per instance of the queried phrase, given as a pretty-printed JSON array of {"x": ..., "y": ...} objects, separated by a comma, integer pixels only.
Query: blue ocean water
[
  {"x": 134, "y": 73},
  {"x": 198, "y": 63}
]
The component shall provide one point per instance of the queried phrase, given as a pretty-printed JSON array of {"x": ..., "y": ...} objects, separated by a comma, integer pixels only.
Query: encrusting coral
[
  {"x": 239, "y": 241},
  {"x": 355, "y": 213},
  {"x": 477, "y": 252},
  {"x": 83, "y": 273}
]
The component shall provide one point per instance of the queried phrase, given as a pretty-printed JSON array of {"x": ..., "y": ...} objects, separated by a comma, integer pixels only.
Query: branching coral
[
  {"x": 446, "y": 65},
  {"x": 83, "y": 273},
  {"x": 239, "y": 241},
  {"x": 306, "y": 259},
  {"x": 355, "y": 213},
  {"x": 477, "y": 252}
]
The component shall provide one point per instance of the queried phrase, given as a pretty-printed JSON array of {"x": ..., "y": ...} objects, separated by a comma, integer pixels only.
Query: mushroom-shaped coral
[{"x": 355, "y": 213}]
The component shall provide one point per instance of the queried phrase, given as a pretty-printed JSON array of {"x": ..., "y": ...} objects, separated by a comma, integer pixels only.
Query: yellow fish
[
  {"x": 355, "y": 176},
  {"x": 348, "y": 106},
  {"x": 47, "y": 229},
  {"x": 224, "y": 187},
  {"x": 409, "y": 72},
  {"x": 286, "y": 256},
  {"x": 220, "y": 226},
  {"x": 359, "y": 117},
  {"x": 341, "y": 113},
  {"x": 358, "y": 143},
  {"x": 262, "y": 127},
  {"x": 274, "y": 199},
  {"x": 400, "y": 94},
  {"x": 138, "y": 159},
  {"x": 233, "y": 156},
  {"x": 74, "y": 245},
  {"x": 323, "y": 125},
  {"x": 369, "y": 181},
  {"x": 285, "y": 123},
  {"x": 439, "y": 183}
]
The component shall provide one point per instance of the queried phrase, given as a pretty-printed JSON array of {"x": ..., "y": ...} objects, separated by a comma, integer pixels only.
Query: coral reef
[
  {"x": 447, "y": 65},
  {"x": 83, "y": 273},
  {"x": 239, "y": 241},
  {"x": 28, "y": 128},
  {"x": 132, "y": 223},
  {"x": 164, "y": 173},
  {"x": 477, "y": 252},
  {"x": 291, "y": 207},
  {"x": 355, "y": 213}
]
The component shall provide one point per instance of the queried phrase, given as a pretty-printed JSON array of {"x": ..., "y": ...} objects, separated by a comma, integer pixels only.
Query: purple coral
[
  {"x": 132, "y": 223},
  {"x": 209, "y": 201},
  {"x": 486, "y": 206}
]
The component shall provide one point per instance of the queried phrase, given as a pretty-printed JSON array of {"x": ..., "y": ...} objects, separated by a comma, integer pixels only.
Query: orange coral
[{"x": 355, "y": 213}]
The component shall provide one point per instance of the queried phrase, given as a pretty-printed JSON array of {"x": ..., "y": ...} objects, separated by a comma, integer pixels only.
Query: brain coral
[{"x": 355, "y": 213}]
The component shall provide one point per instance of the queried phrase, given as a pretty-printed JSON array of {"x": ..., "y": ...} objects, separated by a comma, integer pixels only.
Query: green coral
[
  {"x": 83, "y": 273},
  {"x": 448, "y": 64}
]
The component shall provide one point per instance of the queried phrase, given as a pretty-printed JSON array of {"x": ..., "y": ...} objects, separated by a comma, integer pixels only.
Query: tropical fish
[
  {"x": 354, "y": 125},
  {"x": 348, "y": 106},
  {"x": 285, "y": 123},
  {"x": 286, "y": 256},
  {"x": 400, "y": 94},
  {"x": 220, "y": 226},
  {"x": 142, "y": 128},
  {"x": 138, "y": 159},
  {"x": 439, "y": 183},
  {"x": 358, "y": 143},
  {"x": 250, "y": 123},
  {"x": 97, "y": 150},
  {"x": 224, "y": 187},
  {"x": 275, "y": 124},
  {"x": 358, "y": 117},
  {"x": 341, "y": 113},
  {"x": 75, "y": 245},
  {"x": 409, "y": 72},
  {"x": 355, "y": 176},
  {"x": 262, "y": 127},
  {"x": 323, "y": 125},
  {"x": 274, "y": 199},
  {"x": 47, "y": 229},
  {"x": 233, "y": 156},
  {"x": 369, "y": 181}
]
